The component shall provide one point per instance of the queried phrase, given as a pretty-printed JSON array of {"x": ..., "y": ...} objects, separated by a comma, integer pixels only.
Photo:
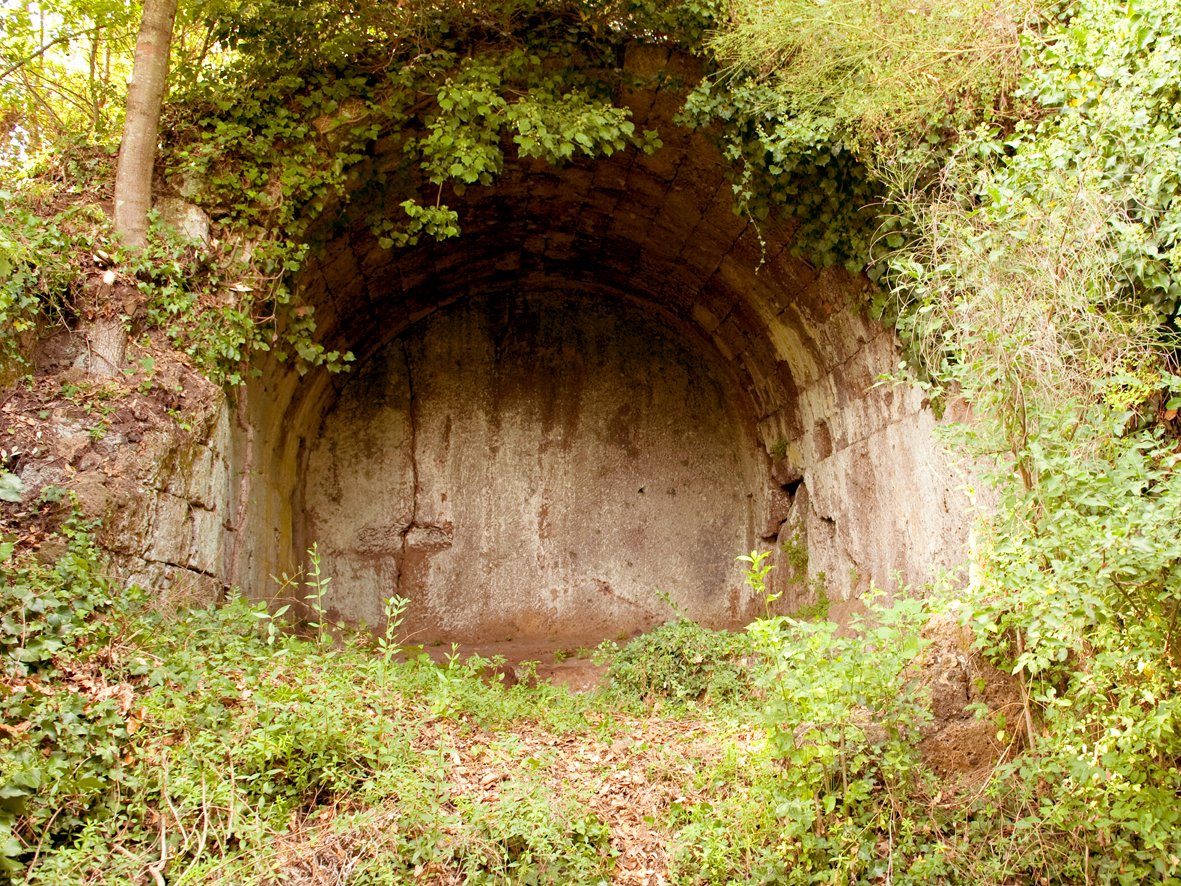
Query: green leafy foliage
[
  {"x": 758, "y": 568},
  {"x": 785, "y": 165},
  {"x": 1110, "y": 76},
  {"x": 682, "y": 662},
  {"x": 836, "y": 793},
  {"x": 236, "y": 735},
  {"x": 1042, "y": 289},
  {"x": 40, "y": 617},
  {"x": 63, "y": 68},
  {"x": 40, "y": 274},
  {"x": 11, "y": 487},
  {"x": 269, "y": 139},
  {"x": 1091, "y": 185},
  {"x": 822, "y": 106},
  {"x": 275, "y": 113},
  {"x": 197, "y": 295},
  {"x": 61, "y": 756},
  {"x": 880, "y": 72},
  {"x": 1084, "y": 608},
  {"x": 191, "y": 740}
]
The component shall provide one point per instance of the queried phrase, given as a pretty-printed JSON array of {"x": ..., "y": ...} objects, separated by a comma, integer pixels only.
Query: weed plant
[
  {"x": 681, "y": 663},
  {"x": 141, "y": 744},
  {"x": 201, "y": 747}
]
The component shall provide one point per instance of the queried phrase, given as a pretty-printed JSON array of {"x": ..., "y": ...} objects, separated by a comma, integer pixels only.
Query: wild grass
[{"x": 208, "y": 747}]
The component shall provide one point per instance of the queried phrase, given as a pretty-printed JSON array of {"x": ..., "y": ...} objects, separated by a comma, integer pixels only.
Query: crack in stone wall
[
  {"x": 546, "y": 452},
  {"x": 169, "y": 536},
  {"x": 416, "y": 489}
]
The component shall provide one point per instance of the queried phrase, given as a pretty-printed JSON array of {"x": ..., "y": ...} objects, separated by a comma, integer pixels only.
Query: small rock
[
  {"x": 188, "y": 219},
  {"x": 89, "y": 461}
]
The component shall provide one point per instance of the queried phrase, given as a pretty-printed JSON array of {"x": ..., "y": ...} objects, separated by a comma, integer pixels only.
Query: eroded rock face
[
  {"x": 536, "y": 465},
  {"x": 160, "y": 487},
  {"x": 976, "y": 709}
]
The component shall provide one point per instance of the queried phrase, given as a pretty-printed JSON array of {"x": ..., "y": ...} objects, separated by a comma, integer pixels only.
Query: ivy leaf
[{"x": 11, "y": 487}]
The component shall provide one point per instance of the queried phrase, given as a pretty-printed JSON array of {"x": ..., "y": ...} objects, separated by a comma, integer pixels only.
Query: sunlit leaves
[
  {"x": 63, "y": 68},
  {"x": 1042, "y": 280}
]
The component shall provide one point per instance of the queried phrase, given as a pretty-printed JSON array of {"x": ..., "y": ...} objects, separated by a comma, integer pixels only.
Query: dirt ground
[{"x": 629, "y": 782}]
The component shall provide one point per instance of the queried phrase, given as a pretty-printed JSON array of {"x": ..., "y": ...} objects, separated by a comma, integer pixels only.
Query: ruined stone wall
[
  {"x": 539, "y": 465},
  {"x": 526, "y": 396},
  {"x": 171, "y": 536},
  {"x": 160, "y": 485}
]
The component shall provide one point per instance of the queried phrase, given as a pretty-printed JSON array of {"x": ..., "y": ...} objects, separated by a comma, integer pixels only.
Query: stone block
[
  {"x": 734, "y": 335},
  {"x": 207, "y": 542},
  {"x": 611, "y": 174},
  {"x": 705, "y": 318},
  {"x": 171, "y": 531},
  {"x": 186, "y": 219}
]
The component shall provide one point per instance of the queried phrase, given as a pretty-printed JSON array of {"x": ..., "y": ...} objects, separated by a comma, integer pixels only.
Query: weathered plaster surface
[{"x": 535, "y": 466}]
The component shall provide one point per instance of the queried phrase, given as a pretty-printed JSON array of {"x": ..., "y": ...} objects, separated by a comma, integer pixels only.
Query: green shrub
[
  {"x": 63, "y": 754},
  {"x": 40, "y": 270},
  {"x": 843, "y": 718},
  {"x": 1043, "y": 290},
  {"x": 683, "y": 662}
]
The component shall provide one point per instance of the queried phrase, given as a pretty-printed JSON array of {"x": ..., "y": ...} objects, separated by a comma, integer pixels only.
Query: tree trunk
[
  {"x": 133, "y": 177},
  {"x": 137, "y": 155}
]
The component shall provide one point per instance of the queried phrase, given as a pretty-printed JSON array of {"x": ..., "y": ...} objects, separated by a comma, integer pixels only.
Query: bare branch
[{"x": 63, "y": 38}]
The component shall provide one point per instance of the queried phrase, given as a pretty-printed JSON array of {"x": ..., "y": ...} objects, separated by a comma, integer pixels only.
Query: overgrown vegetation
[
  {"x": 38, "y": 270},
  {"x": 1012, "y": 170},
  {"x": 275, "y": 110},
  {"x": 842, "y": 772},
  {"x": 681, "y": 662},
  {"x": 137, "y": 743},
  {"x": 217, "y": 746},
  {"x": 1042, "y": 289}
]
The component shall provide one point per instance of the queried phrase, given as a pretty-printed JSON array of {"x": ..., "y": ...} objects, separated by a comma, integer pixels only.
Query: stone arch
[{"x": 842, "y": 476}]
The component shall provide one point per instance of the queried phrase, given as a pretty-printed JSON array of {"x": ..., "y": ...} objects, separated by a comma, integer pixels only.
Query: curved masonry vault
[{"x": 606, "y": 388}]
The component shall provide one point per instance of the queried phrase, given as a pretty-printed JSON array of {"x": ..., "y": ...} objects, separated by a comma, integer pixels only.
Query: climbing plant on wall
[
  {"x": 276, "y": 126},
  {"x": 824, "y": 107},
  {"x": 277, "y": 107}
]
